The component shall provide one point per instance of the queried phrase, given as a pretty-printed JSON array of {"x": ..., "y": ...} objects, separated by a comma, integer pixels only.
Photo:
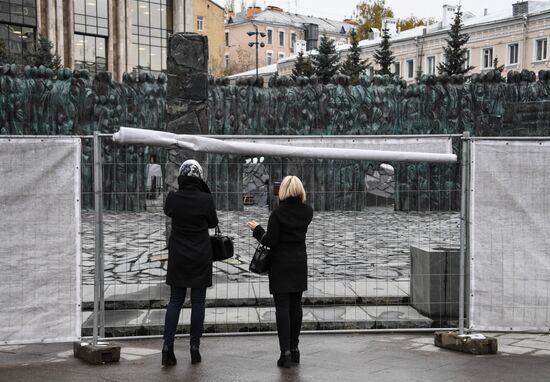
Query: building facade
[
  {"x": 517, "y": 37},
  {"x": 283, "y": 31},
  {"x": 115, "y": 35},
  {"x": 208, "y": 20}
]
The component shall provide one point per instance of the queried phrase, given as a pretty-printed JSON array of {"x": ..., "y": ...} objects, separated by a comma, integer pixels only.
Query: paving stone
[
  {"x": 398, "y": 316},
  {"x": 533, "y": 344}
]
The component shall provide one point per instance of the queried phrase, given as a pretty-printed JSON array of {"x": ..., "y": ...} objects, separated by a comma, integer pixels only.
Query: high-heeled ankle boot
[
  {"x": 285, "y": 359},
  {"x": 168, "y": 356},
  {"x": 194, "y": 350},
  {"x": 295, "y": 355}
]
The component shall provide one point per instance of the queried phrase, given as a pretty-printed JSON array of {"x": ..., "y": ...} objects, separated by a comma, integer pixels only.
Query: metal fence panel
[
  {"x": 40, "y": 246},
  {"x": 360, "y": 245},
  {"x": 509, "y": 225}
]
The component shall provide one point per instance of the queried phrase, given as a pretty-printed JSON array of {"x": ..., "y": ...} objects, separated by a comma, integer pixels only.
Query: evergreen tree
[
  {"x": 326, "y": 62},
  {"x": 383, "y": 56},
  {"x": 353, "y": 66},
  {"x": 42, "y": 54},
  {"x": 495, "y": 65},
  {"x": 455, "y": 53},
  {"x": 303, "y": 66}
]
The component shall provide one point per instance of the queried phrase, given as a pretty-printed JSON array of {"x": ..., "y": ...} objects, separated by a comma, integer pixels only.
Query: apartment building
[
  {"x": 209, "y": 20},
  {"x": 517, "y": 37},
  {"x": 115, "y": 35},
  {"x": 284, "y": 33}
]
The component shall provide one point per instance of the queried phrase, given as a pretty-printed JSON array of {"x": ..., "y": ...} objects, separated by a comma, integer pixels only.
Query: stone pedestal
[
  {"x": 187, "y": 95},
  {"x": 435, "y": 278}
]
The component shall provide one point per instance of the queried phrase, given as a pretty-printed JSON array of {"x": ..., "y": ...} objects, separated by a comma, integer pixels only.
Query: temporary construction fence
[
  {"x": 372, "y": 265},
  {"x": 509, "y": 209},
  {"x": 359, "y": 245},
  {"x": 40, "y": 240}
]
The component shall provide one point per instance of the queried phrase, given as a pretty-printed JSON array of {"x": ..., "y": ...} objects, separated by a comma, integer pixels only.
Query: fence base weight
[
  {"x": 96, "y": 354},
  {"x": 473, "y": 344}
]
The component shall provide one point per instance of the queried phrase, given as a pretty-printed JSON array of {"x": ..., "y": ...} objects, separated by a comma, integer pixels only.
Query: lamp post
[{"x": 258, "y": 45}]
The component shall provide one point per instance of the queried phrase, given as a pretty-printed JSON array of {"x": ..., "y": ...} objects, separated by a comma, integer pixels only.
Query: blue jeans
[{"x": 177, "y": 297}]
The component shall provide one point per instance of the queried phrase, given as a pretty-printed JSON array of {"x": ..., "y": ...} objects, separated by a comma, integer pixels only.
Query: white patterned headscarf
[{"x": 191, "y": 168}]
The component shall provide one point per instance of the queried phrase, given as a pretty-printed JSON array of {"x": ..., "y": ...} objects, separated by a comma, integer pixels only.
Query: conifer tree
[
  {"x": 303, "y": 66},
  {"x": 326, "y": 62},
  {"x": 455, "y": 53},
  {"x": 42, "y": 54},
  {"x": 354, "y": 66},
  {"x": 383, "y": 56}
]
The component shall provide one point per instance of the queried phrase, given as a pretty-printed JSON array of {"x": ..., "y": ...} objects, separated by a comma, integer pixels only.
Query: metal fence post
[
  {"x": 99, "y": 302},
  {"x": 464, "y": 203}
]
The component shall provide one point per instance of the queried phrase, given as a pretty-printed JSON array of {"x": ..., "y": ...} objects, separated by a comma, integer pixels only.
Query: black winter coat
[
  {"x": 286, "y": 236},
  {"x": 189, "y": 250}
]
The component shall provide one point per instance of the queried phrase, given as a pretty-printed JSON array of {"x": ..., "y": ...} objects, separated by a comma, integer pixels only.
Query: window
[
  {"x": 513, "y": 50},
  {"x": 90, "y": 52},
  {"x": 18, "y": 12},
  {"x": 91, "y": 17},
  {"x": 467, "y": 61},
  {"x": 397, "y": 69},
  {"x": 281, "y": 38},
  {"x": 292, "y": 42},
  {"x": 151, "y": 24},
  {"x": 541, "y": 49},
  {"x": 226, "y": 38},
  {"x": 431, "y": 65},
  {"x": 226, "y": 60},
  {"x": 410, "y": 68},
  {"x": 18, "y": 27},
  {"x": 270, "y": 37},
  {"x": 200, "y": 23},
  {"x": 269, "y": 58},
  {"x": 487, "y": 58},
  {"x": 281, "y": 56},
  {"x": 91, "y": 30}
]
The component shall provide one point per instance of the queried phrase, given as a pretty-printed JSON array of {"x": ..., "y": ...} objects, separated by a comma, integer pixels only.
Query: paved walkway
[
  {"x": 325, "y": 357},
  {"x": 342, "y": 245}
]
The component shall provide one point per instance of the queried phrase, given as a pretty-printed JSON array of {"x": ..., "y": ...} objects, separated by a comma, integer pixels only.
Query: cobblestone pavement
[{"x": 341, "y": 245}]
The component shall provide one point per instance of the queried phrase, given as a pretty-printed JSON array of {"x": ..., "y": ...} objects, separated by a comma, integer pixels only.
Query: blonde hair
[{"x": 292, "y": 187}]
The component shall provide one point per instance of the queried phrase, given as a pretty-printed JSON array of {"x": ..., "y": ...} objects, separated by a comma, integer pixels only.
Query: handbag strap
[{"x": 265, "y": 233}]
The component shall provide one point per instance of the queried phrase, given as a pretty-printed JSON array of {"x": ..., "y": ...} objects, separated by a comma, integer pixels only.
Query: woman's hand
[{"x": 252, "y": 224}]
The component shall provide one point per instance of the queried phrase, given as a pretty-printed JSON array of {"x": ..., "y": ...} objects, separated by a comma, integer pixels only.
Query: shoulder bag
[
  {"x": 260, "y": 261},
  {"x": 222, "y": 246}
]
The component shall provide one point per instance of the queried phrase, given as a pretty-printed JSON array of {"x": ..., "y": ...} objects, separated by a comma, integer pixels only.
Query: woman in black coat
[
  {"x": 189, "y": 255},
  {"x": 286, "y": 237}
]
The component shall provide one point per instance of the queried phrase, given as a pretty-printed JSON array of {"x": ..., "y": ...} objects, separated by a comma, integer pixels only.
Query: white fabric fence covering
[
  {"x": 198, "y": 143},
  {"x": 510, "y": 235},
  {"x": 40, "y": 240}
]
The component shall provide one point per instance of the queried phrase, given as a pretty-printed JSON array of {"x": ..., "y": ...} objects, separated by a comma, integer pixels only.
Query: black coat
[
  {"x": 189, "y": 250},
  {"x": 286, "y": 236}
]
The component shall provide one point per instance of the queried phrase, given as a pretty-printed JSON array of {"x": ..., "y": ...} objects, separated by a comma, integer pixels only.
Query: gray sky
[{"x": 341, "y": 9}]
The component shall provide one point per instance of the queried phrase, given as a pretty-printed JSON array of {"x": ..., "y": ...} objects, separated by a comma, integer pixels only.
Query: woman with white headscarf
[{"x": 189, "y": 255}]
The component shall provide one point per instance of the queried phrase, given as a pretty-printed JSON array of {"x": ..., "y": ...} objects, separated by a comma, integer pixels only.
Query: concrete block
[
  {"x": 473, "y": 344},
  {"x": 434, "y": 283},
  {"x": 96, "y": 354}
]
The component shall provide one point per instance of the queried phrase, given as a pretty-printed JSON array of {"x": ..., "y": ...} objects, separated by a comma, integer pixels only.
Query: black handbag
[
  {"x": 222, "y": 246},
  {"x": 260, "y": 261}
]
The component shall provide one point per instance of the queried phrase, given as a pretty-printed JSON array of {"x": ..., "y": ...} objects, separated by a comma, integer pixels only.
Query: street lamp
[{"x": 258, "y": 45}]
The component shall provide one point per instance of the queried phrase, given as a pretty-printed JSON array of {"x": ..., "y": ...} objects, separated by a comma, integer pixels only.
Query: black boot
[
  {"x": 194, "y": 349},
  {"x": 285, "y": 359},
  {"x": 295, "y": 355},
  {"x": 168, "y": 356}
]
